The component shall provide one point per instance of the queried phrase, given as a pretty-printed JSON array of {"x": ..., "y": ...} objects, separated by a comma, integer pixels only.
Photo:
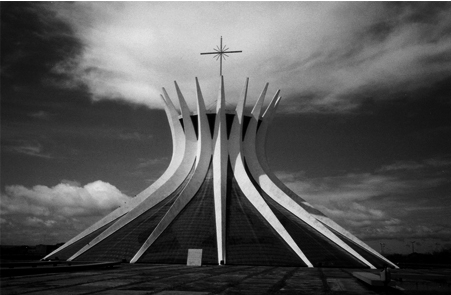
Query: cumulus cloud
[
  {"x": 64, "y": 199},
  {"x": 63, "y": 209},
  {"x": 324, "y": 56}
]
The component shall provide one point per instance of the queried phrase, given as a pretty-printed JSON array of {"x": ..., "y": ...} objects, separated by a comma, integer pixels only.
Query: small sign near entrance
[{"x": 194, "y": 257}]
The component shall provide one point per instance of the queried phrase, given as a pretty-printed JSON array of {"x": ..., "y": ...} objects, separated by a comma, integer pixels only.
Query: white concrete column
[{"x": 220, "y": 158}]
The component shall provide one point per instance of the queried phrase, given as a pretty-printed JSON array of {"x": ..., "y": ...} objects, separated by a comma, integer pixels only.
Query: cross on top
[{"x": 220, "y": 53}]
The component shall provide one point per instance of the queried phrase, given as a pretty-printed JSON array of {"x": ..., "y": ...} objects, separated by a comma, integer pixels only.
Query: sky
[{"x": 363, "y": 131}]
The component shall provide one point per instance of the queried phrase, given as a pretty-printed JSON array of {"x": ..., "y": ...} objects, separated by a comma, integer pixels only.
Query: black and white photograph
[{"x": 225, "y": 147}]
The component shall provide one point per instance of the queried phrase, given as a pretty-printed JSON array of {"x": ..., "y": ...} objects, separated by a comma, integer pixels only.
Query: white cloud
[
  {"x": 64, "y": 209},
  {"x": 71, "y": 182},
  {"x": 322, "y": 55},
  {"x": 65, "y": 199}
]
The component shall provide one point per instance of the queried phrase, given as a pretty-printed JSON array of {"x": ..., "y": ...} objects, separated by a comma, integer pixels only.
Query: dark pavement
[{"x": 181, "y": 280}]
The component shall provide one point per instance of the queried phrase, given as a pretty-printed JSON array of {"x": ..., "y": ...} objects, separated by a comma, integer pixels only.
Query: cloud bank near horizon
[
  {"x": 326, "y": 57},
  {"x": 387, "y": 204},
  {"x": 54, "y": 214}
]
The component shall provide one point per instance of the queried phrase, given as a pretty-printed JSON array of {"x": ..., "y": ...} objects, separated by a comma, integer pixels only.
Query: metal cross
[{"x": 220, "y": 53}]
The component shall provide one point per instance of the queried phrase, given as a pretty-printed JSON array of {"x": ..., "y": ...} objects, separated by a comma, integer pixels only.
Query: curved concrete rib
[
  {"x": 178, "y": 142},
  {"x": 168, "y": 187},
  {"x": 198, "y": 177},
  {"x": 178, "y": 139},
  {"x": 275, "y": 193},
  {"x": 220, "y": 172},
  {"x": 246, "y": 185}
]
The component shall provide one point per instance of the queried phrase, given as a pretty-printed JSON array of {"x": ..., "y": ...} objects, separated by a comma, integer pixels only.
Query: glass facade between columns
[
  {"x": 250, "y": 239},
  {"x": 193, "y": 228},
  {"x": 318, "y": 249},
  {"x": 67, "y": 252}
]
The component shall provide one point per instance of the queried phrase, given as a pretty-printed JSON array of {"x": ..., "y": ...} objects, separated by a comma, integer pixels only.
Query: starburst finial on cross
[{"x": 220, "y": 53}]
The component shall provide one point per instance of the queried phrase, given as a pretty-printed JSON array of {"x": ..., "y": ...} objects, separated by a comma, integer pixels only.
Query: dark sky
[{"x": 363, "y": 130}]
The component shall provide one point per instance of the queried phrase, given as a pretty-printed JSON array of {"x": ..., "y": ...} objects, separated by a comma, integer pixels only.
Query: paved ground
[{"x": 181, "y": 280}]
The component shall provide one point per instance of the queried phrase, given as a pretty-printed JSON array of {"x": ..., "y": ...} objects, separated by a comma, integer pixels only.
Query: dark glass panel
[
  {"x": 251, "y": 240},
  {"x": 193, "y": 228},
  {"x": 67, "y": 252}
]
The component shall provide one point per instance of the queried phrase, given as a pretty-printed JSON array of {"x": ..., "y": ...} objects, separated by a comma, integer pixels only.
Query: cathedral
[{"x": 219, "y": 195}]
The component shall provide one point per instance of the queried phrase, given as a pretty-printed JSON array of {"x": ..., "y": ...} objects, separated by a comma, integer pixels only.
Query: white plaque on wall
[{"x": 194, "y": 257}]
